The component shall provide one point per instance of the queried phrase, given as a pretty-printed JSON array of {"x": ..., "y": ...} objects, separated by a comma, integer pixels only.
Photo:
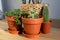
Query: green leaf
[{"x": 15, "y": 13}]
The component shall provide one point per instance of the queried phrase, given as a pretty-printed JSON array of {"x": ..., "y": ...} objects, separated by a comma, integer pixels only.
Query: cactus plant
[{"x": 46, "y": 13}]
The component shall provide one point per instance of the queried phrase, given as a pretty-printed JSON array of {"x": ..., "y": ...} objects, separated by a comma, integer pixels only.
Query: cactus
[{"x": 46, "y": 13}]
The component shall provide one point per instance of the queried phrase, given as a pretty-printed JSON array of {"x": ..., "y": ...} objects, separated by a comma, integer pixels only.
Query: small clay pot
[
  {"x": 12, "y": 25},
  {"x": 10, "y": 18},
  {"x": 32, "y": 26},
  {"x": 12, "y": 28},
  {"x": 14, "y": 32},
  {"x": 46, "y": 27}
]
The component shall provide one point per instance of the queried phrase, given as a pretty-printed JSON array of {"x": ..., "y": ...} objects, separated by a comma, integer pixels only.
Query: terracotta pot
[
  {"x": 32, "y": 26},
  {"x": 10, "y": 18},
  {"x": 12, "y": 25},
  {"x": 46, "y": 27},
  {"x": 14, "y": 32}
]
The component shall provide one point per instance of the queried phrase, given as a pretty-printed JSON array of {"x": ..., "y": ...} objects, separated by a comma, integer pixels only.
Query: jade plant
[
  {"x": 46, "y": 14},
  {"x": 30, "y": 14},
  {"x": 16, "y": 13}
]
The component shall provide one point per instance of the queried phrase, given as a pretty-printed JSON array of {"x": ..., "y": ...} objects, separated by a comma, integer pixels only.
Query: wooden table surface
[{"x": 5, "y": 35}]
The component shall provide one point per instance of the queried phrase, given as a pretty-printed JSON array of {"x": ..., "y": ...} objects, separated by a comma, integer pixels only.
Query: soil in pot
[{"x": 46, "y": 27}]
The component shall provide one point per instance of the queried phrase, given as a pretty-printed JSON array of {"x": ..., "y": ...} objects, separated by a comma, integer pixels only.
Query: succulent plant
[
  {"x": 24, "y": 14},
  {"x": 30, "y": 14},
  {"x": 14, "y": 13},
  {"x": 46, "y": 13}
]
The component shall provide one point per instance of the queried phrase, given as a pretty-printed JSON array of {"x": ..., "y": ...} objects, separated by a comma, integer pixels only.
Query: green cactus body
[{"x": 46, "y": 14}]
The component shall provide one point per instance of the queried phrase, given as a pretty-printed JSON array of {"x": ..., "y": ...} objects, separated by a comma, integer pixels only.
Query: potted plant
[
  {"x": 47, "y": 23},
  {"x": 13, "y": 19},
  {"x": 32, "y": 23}
]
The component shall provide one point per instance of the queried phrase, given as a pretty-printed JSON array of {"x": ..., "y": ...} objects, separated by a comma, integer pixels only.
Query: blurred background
[{"x": 54, "y": 7}]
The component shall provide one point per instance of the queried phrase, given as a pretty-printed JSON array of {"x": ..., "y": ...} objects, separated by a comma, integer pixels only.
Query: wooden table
[{"x": 5, "y": 35}]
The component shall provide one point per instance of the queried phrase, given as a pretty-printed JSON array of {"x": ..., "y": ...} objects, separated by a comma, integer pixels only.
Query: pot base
[
  {"x": 46, "y": 27},
  {"x": 14, "y": 32},
  {"x": 31, "y": 36}
]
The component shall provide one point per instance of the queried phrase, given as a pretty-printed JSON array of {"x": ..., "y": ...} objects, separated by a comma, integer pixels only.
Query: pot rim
[
  {"x": 32, "y": 21},
  {"x": 32, "y": 18}
]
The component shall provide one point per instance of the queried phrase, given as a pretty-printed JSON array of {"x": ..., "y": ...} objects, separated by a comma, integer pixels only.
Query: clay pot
[
  {"x": 12, "y": 25},
  {"x": 32, "y": 26},
  {"x": 14, "y": 32},
  {"x": 46, "y": 27}
]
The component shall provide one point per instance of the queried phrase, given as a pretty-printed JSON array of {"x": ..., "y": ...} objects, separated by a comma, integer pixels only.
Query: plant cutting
[
  {"x": 46, "y": 24},
  {"x": 13, "y": 19},
  {"x": 32, "y": 23}
]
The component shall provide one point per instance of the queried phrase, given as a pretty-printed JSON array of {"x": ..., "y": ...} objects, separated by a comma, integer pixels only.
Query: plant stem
[{"x": 32, "y": 15}]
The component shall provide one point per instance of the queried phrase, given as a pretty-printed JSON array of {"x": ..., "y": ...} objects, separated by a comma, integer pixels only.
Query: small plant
[
  {"x": 16, "y": 13},
  {"x": 46, "y": 14},
  {"x": 33, "y": 14},
  {"x": 24, "y": 14},
  {"x": 30, "y": 14}
]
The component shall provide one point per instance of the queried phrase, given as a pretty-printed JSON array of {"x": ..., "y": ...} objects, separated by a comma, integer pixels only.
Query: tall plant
[{"x": 46, "y": 13}]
